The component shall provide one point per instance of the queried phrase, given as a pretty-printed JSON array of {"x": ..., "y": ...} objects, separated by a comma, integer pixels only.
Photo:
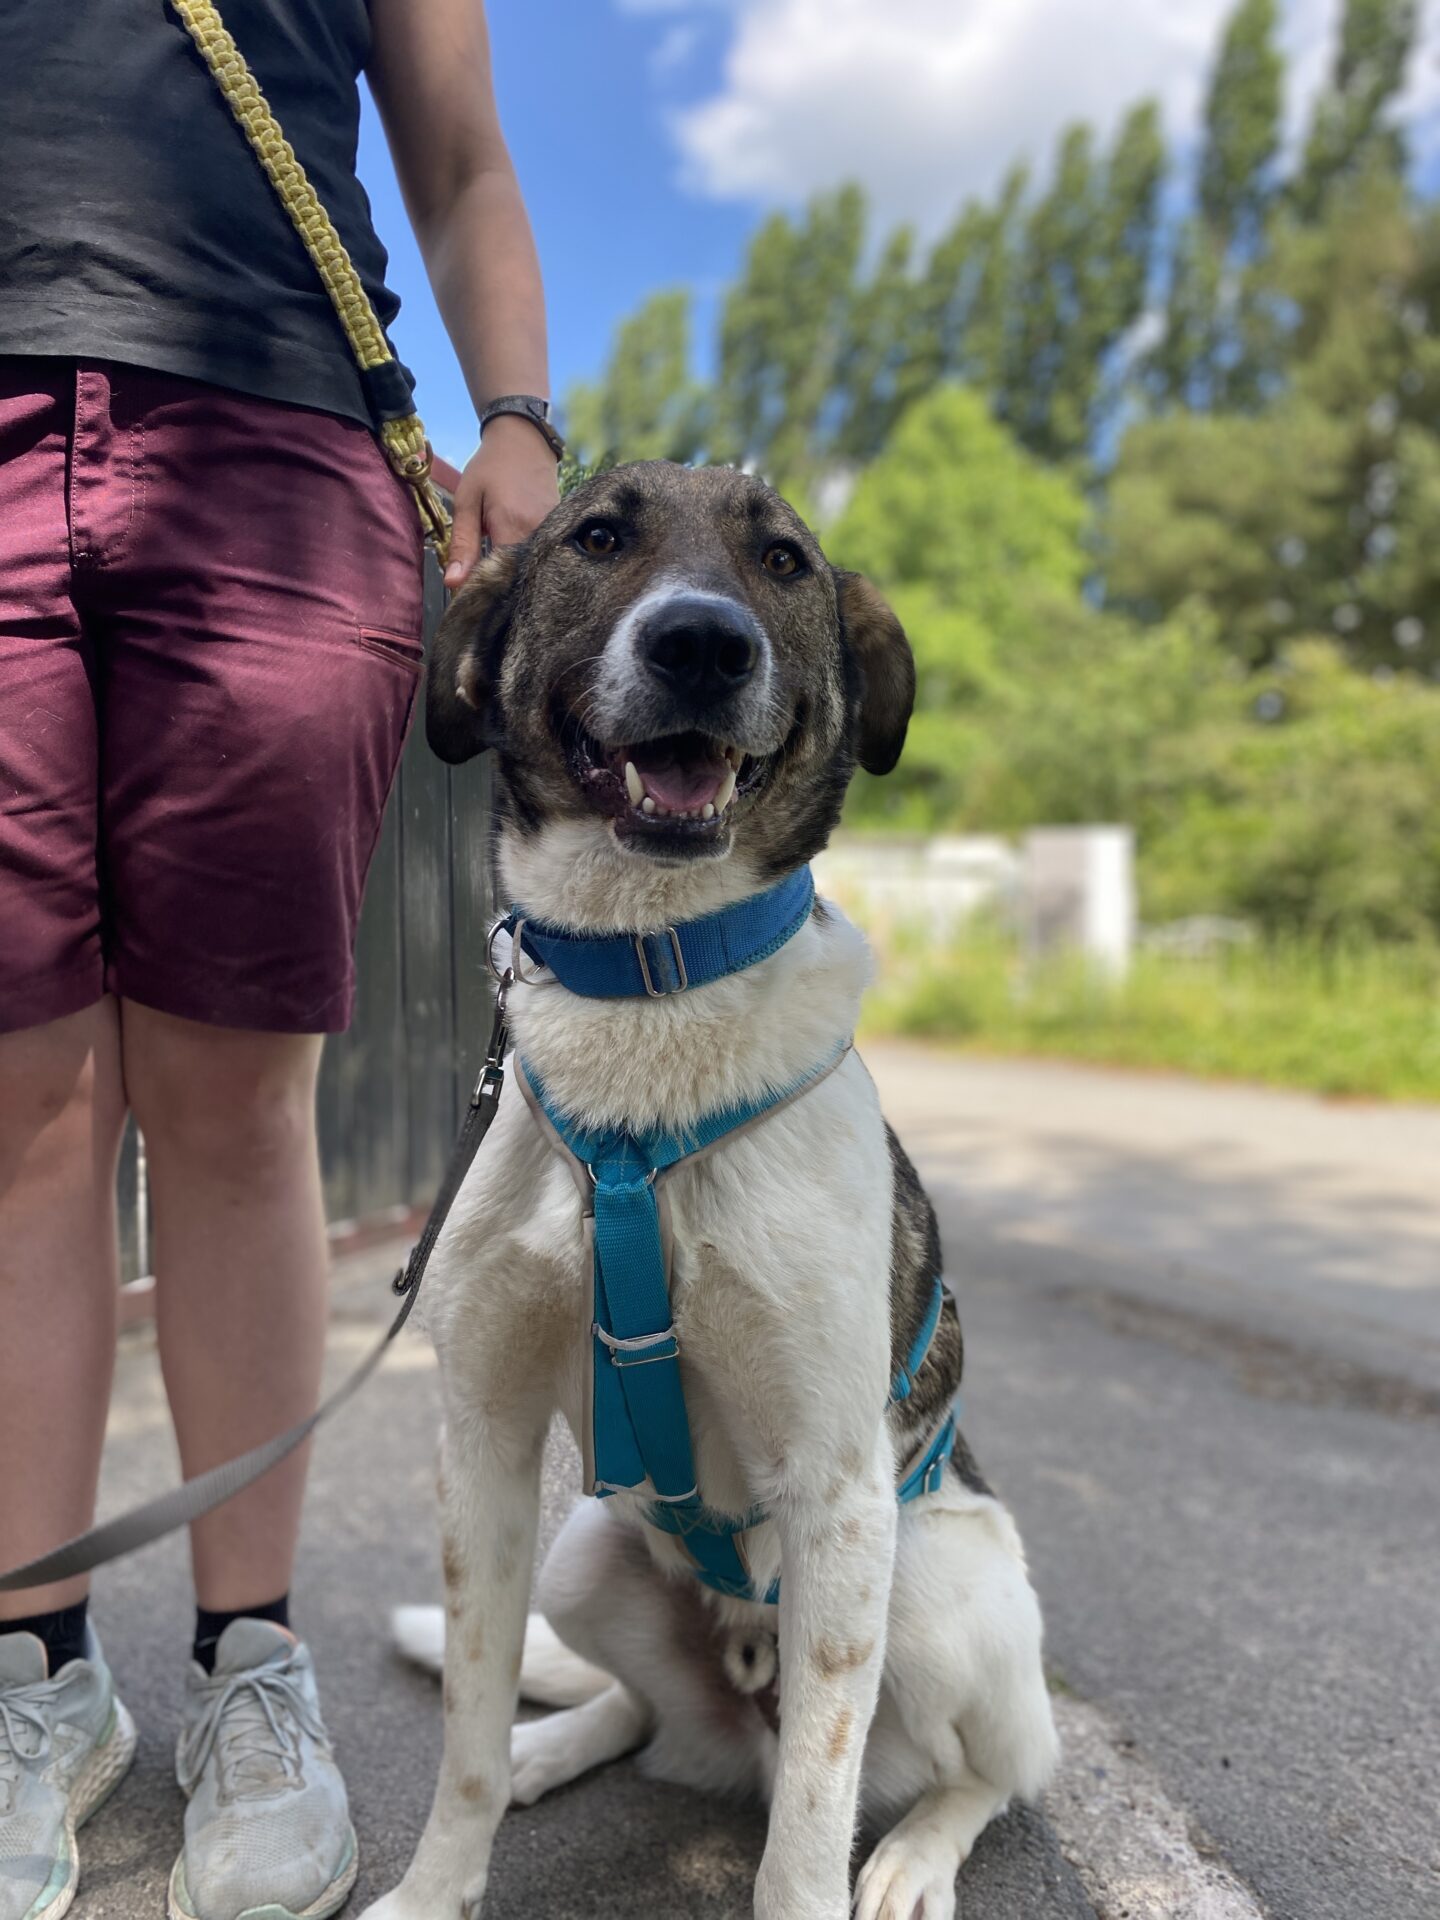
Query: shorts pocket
[{"x": 404, "y": 649}]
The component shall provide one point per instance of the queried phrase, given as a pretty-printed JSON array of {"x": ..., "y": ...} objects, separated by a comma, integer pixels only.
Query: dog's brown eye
[
  {"x": 598, "y": 538},
  {"x": 782, "y": 561}
]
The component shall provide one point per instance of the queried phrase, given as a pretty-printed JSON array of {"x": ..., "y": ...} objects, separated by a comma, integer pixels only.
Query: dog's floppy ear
[
  {"x": 462, "y": 715},
  {"x": 886, "y": 671}
]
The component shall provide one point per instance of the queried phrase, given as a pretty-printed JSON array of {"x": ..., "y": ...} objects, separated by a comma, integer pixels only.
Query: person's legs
[
  {"x": 62, "y": 1110},
  {"x": 257, "y": 606},
  {"x": 240, "y": 1268}
]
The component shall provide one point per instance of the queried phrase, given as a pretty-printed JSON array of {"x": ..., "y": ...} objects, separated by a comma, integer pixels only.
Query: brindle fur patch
[{"x": 915, "y": 1260}]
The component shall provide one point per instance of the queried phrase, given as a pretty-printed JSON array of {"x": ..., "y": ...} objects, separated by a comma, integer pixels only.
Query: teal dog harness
[{"x": 639, "y": 1428}]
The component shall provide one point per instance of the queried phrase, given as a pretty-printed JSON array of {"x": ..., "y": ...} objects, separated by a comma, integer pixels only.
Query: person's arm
[{"x": 430, "y": 74}]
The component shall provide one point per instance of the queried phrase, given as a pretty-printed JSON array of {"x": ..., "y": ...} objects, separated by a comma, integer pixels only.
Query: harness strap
[
  {"x": 639, "y": 1428},
  {"x": 920, "y": 1346}
]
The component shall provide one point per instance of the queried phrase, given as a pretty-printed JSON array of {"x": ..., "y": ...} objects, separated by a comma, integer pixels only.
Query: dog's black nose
[{"x": 704, "y": 648}]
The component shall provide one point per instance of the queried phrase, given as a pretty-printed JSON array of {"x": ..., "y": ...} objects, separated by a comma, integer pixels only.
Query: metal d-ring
[{"x": 539, "y": 978}]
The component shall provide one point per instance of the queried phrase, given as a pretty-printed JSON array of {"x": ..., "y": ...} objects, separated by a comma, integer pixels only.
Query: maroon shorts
[{"x": 210, "y": 643}]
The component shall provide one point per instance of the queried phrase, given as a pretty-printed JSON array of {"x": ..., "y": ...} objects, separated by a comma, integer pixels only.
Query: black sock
[
  {"x": 209, "y": 1626},
  {"x": 62, "y": 1631}
]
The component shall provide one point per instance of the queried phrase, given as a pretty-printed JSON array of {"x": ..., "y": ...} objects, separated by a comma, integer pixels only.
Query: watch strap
[{"x": 529, "y": 406}]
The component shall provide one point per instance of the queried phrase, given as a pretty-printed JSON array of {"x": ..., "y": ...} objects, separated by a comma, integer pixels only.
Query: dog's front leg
[
  {"x": 489, "y": 1503},
  {"x": 837, "y": 1532}
]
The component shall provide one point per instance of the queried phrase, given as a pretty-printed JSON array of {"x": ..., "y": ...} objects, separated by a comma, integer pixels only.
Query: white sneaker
[
  {"x": 65, "y": 1743},
  {"x": 267, "y": 1830}
]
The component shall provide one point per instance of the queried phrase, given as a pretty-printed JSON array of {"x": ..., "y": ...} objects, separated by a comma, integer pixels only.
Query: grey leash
[{"x": 145, "y": 1524}]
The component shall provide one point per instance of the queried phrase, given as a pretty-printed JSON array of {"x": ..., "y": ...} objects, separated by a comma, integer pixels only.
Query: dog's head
[{"x": 670, "y": 666}]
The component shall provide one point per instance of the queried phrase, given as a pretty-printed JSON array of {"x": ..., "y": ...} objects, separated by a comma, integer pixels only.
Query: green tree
[
  {"x": 965, "y": 298},
  {"x": 871, "y": 366},
  {"x": 1080, "y": 284},
  {"x": 1317, "y": 513},
  {"x": 981, "y": 549},
  {"x": 1352, "y": 125},
  {"x": 783, "y": 332},
  {"x": 1208, "y": 354},
  {"x": 647, "y": 405}
]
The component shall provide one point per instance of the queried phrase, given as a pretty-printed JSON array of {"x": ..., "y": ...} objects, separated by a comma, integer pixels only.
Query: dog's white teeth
[
  {"x": 647, "y": 805},
  {"x": 707, "y": 812},
  {"x": 726, "y": 793},
  {"x": 634, "y": 785}
]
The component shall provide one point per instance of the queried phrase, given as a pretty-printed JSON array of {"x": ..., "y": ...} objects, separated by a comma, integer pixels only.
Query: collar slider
[{"x": 672, "y": 962}]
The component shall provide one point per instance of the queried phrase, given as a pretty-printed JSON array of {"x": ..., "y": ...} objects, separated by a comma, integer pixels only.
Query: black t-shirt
[{"x": 135, "y": 221}]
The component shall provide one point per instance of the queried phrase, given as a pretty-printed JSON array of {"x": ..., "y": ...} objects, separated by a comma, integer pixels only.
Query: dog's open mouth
[{"x": 676, "y": 784}]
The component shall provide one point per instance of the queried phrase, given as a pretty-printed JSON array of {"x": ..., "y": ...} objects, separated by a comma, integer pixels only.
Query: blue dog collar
[{"x": 627, "y": 966}]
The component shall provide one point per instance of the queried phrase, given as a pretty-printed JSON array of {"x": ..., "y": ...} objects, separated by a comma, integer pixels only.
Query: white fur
[{"x": 780, "y": 1295}]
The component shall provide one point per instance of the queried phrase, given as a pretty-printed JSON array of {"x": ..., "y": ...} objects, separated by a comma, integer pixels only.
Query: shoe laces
[
  {"x": 252, "y": 1724},
  {"x": 23, "y": 1710}
]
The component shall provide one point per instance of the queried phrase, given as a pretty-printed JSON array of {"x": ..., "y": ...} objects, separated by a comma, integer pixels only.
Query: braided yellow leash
[{"x": 406, "y": 447}]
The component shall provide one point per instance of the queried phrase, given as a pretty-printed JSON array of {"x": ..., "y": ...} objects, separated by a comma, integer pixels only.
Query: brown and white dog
[{"x": 679, "y": 688}]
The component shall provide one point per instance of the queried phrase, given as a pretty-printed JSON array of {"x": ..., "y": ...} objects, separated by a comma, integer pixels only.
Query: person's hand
[{"x": 506, "y": 490}]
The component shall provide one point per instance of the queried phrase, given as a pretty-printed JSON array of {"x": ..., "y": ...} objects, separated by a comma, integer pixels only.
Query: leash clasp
[{"x": 492, "y": 1073}]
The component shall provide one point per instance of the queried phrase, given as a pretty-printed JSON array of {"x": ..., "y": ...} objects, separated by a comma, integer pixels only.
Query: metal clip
[
  {"x": 492, "y": 1073},
  {"x": 637, "y": 1343}
]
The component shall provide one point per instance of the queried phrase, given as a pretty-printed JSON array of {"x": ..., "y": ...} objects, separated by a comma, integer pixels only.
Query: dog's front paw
[
  {"x": 539, "y": 1758},
  {"x": 406, "y": 1904},
  {"x": 899, "y": 1882},
  {"x": 393, "y": 1906}
]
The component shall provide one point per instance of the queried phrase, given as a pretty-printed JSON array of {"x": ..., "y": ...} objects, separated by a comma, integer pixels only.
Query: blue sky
[{"x": 649, "y": 135}]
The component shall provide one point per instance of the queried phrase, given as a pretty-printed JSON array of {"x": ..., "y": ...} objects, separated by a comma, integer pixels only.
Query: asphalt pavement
[{"x": 1203, "y": 1365}]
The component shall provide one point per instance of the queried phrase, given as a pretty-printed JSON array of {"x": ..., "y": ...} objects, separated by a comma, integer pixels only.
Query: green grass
[{"x": 1362, "y": 1022}]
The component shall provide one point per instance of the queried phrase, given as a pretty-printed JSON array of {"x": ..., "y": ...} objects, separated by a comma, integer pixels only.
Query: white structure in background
[
  {"x": 1079, "y": 892},
  {"x": 1063, "y": 887},
  {"x": 917, "y": 885}
]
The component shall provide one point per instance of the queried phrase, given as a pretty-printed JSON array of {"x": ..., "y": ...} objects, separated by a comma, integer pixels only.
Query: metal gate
[{"x": 391, "y": 1089}]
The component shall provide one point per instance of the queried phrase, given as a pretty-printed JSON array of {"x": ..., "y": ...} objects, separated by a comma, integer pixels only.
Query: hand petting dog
[{"x": 507, "y": 488}]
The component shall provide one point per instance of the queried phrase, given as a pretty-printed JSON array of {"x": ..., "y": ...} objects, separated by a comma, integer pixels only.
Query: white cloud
[{"x": 927, "y": 101}]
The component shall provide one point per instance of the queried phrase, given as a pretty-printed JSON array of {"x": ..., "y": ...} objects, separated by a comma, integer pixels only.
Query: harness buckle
[
  {"x": 682, "y": 977},
  {"x": 637, "y": 1344}
]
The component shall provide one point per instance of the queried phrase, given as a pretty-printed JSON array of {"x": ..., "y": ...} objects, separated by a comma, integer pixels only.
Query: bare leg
[
  {"x": 240, "y": 1270},
  {"x": 61, "y": 1116}
]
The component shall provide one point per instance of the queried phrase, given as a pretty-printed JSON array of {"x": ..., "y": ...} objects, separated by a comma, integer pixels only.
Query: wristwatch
[{"x": 530, "y": 407}]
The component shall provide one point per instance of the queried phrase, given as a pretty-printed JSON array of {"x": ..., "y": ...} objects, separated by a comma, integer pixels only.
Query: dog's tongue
[{"x": 680, "y": 774}]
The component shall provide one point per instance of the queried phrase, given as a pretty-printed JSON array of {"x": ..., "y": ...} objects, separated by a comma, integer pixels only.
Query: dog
[{"x": 679, "y": 688}]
